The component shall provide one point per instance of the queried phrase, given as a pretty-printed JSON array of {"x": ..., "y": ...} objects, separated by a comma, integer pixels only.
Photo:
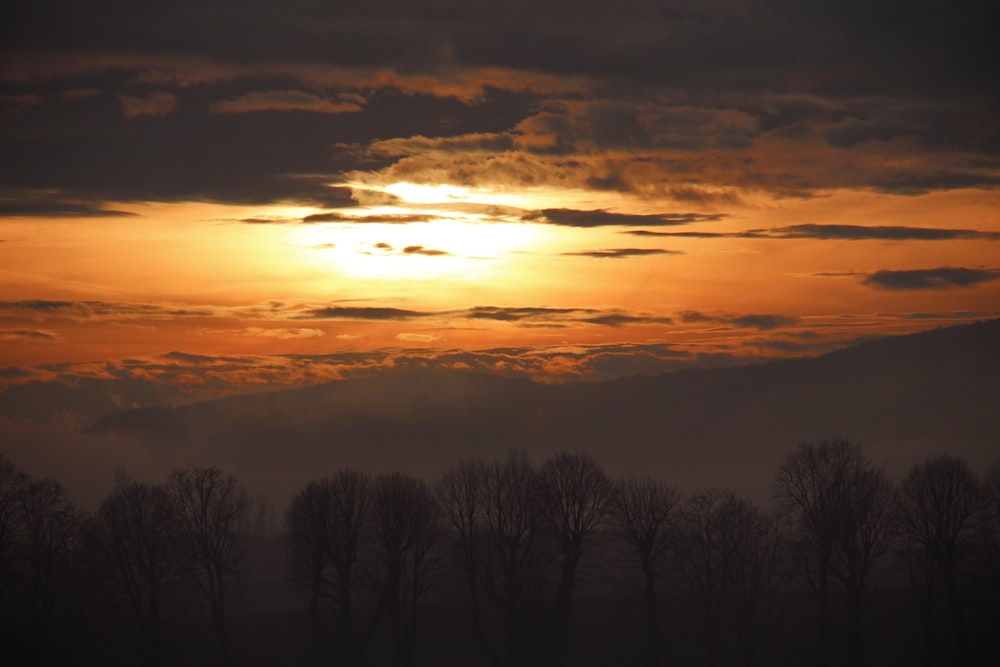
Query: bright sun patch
[{"x": 447, "y": 248}]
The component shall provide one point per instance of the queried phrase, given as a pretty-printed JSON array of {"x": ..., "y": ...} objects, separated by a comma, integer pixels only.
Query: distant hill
[{"x": 903, "y": 397}]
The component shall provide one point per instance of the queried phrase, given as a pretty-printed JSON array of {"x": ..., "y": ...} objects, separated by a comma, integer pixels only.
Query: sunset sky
[{"x": 216, "y": 196}]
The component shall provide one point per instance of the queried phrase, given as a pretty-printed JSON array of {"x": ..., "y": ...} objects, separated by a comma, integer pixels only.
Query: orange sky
[
  {"x": 193, "y": 277},
  {"x": 632, "y": 189}
]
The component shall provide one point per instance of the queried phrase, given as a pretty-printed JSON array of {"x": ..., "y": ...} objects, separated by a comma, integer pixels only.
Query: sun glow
[
  {"x": 458, "y": 249},
  {"x": 415, "y": 193}
]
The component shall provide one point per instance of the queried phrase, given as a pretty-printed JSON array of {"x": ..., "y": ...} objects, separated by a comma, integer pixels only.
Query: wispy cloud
[
  {"x": 362, "y": 313},
  {"x": 920, "y": 279},
  {"x": 154, "y": 104},
  {"x": 603, "y": 218},
  {"x": 621, "y": 253},
  {"x": 836, "y": 233},
  {"x": 409, "y": 337},
  {"x": 762, "y": 322},
  {"x": 289, "y": 100},
  {"x": 28, "y": 334}
]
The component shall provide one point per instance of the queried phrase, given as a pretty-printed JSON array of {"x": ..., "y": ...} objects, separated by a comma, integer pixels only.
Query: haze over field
[{"x": 904, "y": 398}]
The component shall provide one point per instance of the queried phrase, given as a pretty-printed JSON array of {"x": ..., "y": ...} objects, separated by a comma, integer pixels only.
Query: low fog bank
[{"x": 904, "y": 398}]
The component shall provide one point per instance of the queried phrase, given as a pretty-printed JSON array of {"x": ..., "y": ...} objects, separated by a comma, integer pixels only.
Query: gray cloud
[
  {"x": 156, "y": 103},
  {"x": 420, "y": 250},
  {"x": 762, "y": 322},
  {"x": 621, "y": 319},
  {"x": 362, "y": 313},
  {"x": 83, "y": 310},
  {"x": 692, "y": 235},
  {"x": 289, "y": 100},
  {"x": 14, "y": 373},
  {"x": 620, "y": 253},
  {"x": 601, "y": 218},
  {"x": 837, "y": 233},
  {"x": 885, "y": 233},
  {"x": 52, "y": 204},
  {"x": 28, "y": 334},
  {"x": 700, "y": 83},
  {"x": 385, "y": 218},
  {"x": 939, "y": 278}
]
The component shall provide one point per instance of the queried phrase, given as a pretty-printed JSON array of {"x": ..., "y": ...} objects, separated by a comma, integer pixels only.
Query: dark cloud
[
  {"x": 14, "y": 373},
  {"x": 836, "y": 232},
  {"x": 53, "y": 204},
  {"x": 603, "y": 218},
  {"x": 517, "y": 314},
  {"x": 836, "y": 274},
  {"x": 621, "y": 319},
  {"x": 362, "y": 313},
  {"x": 692, "y": 235},
  {"x": 83, "y": 310},
  {"x": 28, "y": 334},
  {"x": 420, "y": 250},
  {"x": 186, "y": 358},
  {"x": 385, "y": 218},
  {"x": 37, "y": 305},
  {"x": 289, "y": 100},
  {"x": 154, "y": 104},
  {"x": 940, "y": 278},
  {"x": 272, "y": 100},
  {"x": 859, "y": 232},
  {"x": 761, "y": 322},
  {"x": 951, "y": 315},
  {"x": 619, "y": 253}
]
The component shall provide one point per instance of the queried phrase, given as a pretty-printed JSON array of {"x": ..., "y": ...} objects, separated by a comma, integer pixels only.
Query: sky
[{"x": 217, "y": 197}]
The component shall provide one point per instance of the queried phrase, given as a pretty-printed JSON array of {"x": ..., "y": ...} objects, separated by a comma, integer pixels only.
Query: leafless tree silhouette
[
  {"x": 939, "y": 504},
  {"x": 134, "y": 536},
  {"x": 50, "y": 528},
  {"x": 841, "y": 502},
  {"x": 13, "y": 485},
  {"x": 212, "y": 528},
  {"x": 461, "y": 495},
  {"x": 405, "y": 530},
  {"x": 325, "y": 526},
  {"x": 761, "y": 573},
  {"x": 991, "y": 523},
  {"x": 710, "y": 533},
  {"x": 644, "y": 512},
  {"x": 575, "y": 493},
  {"x": 511, "y": 555}
]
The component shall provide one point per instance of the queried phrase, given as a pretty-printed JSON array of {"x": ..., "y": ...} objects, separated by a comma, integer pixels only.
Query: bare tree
[
  {"x": 991, "y": 523},
  {"x": 49, "y": 530},
  {"x": 574, "y": 492},
  {"x": 841, "y": 502},
  {"x": 405, "y": 531},
  {"x": 307, "y": 541},
  {"x": 134, "y": 538},
  {"x": 938, "y": 506},
  {"x": 710, "y": 520},
  {"x": 761, "y": 571},
  {"x": 510, "y": 565},
  {"x": 644, "y": 511},
  {"x": 461, "y": 495},
  {"x": 13, "y": 485},
  {"x": 325, "y": 526},
  {"x": 211, "y": 515}
]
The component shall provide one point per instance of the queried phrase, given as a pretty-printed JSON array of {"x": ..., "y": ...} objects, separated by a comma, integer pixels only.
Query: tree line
[{"x": 512, "y": 545}]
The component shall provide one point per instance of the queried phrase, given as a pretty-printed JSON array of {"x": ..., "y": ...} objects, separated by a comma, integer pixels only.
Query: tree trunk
[
  {"x": 649, "y": 600},
  {"x": 823, "y": 620},
  {"x": 854, "y": 638},
  {"x": 957, "y": 617}
]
